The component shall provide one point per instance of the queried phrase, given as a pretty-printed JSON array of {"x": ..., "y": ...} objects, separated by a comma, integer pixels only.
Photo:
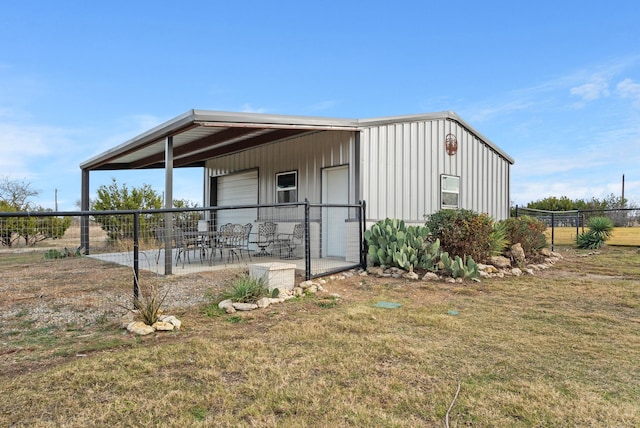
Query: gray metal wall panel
[
  {"x": 402, "y": 164},
  {"x": 307, "y": 154}
]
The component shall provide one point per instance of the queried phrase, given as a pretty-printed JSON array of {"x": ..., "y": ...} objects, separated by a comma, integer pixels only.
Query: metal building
[
  {"x": 413, "y": 166},
  {"x": 404, "y": 167}
]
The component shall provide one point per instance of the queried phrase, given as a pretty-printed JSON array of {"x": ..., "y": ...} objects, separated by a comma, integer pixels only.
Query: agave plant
[
  {"x": 149, "y": 305},
  {"x": 499, "y": 239},
  {"x": 246, "y": 289},
  {"x": 599, "y": 231}
]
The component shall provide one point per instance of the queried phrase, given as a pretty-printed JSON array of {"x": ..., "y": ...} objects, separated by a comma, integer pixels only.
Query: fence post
[
  {"x": 553, "y": 227},
  {"x": 136, "y": 269},
  {"x": 168, "y": 243},
  {"x": 577, "y": 223},
  {"x": 363, "y": 226},
  {"x": 307, "y": 241}
]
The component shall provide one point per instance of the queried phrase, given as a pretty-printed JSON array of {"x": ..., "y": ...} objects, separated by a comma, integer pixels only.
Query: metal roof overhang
[{"x": 199, "y": 135}]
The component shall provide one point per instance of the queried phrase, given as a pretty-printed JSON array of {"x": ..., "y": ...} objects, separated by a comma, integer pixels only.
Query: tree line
[
  {"x": 17, "y": 195},
  {"x": 620, "y": 210},
  {"x": 564, "y": 203}
]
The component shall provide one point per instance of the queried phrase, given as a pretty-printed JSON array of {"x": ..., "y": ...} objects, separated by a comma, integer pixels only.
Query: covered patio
[
  {"x": 195, "y": 137},
  {"x": 147, "y": 261}
]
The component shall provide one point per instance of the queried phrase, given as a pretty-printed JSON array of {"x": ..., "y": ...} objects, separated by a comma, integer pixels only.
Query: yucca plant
[
  {"x": 599, "y": 231},
  {"x": 246, "y": 289},
  {"x": 499, "y": 238},
  {"x": 149, "y": 305}
]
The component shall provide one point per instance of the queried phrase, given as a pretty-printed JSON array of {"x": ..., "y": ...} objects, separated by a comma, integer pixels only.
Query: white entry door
[{"x": 335, "y": 190}]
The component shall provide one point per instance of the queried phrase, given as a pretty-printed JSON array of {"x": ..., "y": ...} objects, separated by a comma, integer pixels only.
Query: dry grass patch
[
  {"x": 557, "y": 349},
  {"x": 624, "y": 236}
]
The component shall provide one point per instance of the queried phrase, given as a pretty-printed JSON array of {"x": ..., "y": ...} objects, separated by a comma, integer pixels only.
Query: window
[
  {"x": 450, "y": 191},
  {"x": 287, "y": 187}
]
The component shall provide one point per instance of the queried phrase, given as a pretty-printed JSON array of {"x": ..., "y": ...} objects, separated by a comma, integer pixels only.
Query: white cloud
[
  {"x": 629, "y": 89},
  {"x": 25, "y": 149},
  {"x": 576, "y": 188},
  {"x": 123, "y": 130},
  {"x": 248, "y": 108},
  {"x": 322, "y": 106},
  {"x": 596, "y": 88},
  {"x": 485, "y": 113}
]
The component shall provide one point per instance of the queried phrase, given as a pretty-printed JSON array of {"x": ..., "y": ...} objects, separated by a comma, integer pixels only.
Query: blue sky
[{"x": 556, "y": 84}]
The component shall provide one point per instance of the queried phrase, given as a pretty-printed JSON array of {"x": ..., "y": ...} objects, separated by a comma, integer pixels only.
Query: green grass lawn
[{"x": 560, "y": 348}]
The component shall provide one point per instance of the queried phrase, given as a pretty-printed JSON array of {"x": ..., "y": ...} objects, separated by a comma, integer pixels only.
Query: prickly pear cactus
[
  {"x": 464, "y": 268},
  {"x": 392, "y": 243}
]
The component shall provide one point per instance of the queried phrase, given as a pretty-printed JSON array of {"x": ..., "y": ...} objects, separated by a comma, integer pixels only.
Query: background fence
[
  {"x": 563, "y": 227},
  {"x": 318, "y": 238}
]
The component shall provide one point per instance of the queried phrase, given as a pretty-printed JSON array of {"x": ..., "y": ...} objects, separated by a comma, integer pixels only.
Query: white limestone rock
[
  {"x": 163, "y": 326},
  {"x": 239, "y": 306},
  {"x": 411, "y": 275},
  {"x": 518, "y": 253},
  {"x": 171, "y": 319},
  {"x": 306, "y": 284},
  {"x": 430, "y": 276},
  {"x": 500, "y": 262},
  {"x": 264, "y": 302},
  {"x": 225, "y": 304},
  {"x": 140, "y": 328}
]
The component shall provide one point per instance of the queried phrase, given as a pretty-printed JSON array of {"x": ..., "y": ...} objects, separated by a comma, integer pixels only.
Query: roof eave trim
[{"x": 166, "y": 129}]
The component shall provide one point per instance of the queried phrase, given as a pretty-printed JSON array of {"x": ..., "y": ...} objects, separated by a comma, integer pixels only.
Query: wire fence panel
[
  {"x": 563, "y": 227},
  {"x": 318, "y": 239},
  {"x": 335, "y": 234}
]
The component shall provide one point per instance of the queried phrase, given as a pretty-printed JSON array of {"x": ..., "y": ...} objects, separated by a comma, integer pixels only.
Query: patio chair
[
  {"x": 160, "y": 235},
  {"x": 291, "y": 241},
  {"x": 203, "y": 238},
  {"x": 234, "y": 242},
  {"x": 238, "y": 241},
  {"x": 243, "y": 240},
  {"x": 265, "y": 238},
  {"x": 183, "y": 243},
  {"x": 223, "y": 239}
]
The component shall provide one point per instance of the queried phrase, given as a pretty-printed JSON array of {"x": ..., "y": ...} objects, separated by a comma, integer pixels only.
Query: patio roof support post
[
  {"x": 84, "y": 206},
  {"x": 168, "y": 204}
]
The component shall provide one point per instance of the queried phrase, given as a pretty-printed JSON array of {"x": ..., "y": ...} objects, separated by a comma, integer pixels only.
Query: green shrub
[
  {"x": 527, "y": 231},
  {"x": 599, "y": 231},
  {"x": 463, "y": 233}
]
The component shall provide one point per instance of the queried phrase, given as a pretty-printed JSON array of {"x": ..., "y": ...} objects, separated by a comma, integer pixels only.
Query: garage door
[{"x": 238, "y": 189}]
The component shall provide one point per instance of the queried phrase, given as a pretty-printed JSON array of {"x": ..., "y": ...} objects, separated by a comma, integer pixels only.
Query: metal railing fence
[
  {"x": 565, "y": 226},
  {"x": 185, "y": 240}
]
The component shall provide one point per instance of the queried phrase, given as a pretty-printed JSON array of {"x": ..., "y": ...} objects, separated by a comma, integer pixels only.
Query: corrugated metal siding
[
  {"x": 306, "y": 154},
  {"x": 402, "y": 163}
]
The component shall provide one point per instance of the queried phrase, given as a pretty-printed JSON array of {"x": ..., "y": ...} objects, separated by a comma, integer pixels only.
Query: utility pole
[
  {"x": 56, "y": 199},
  {"x": 622, "y": 191}
]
